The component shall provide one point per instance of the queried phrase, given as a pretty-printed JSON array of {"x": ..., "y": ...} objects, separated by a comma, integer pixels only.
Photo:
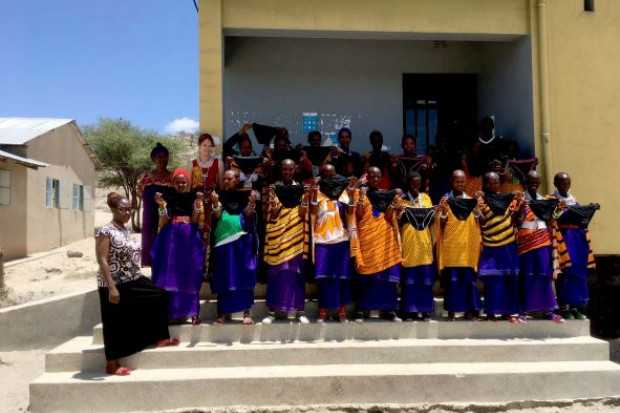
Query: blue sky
[{"x": 86, "y": 59}]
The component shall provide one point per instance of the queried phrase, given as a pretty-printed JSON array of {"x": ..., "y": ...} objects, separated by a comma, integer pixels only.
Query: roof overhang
[{"x": 27, "y": 162}]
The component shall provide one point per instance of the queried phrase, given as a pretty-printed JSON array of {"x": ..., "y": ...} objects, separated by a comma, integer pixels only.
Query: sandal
[
  {"x": 168, "y": 342},
  {"x": 218, "y": 321},
  {"x": 121, "y": 371},
  {"x": 247, "y": 320},
  {"x": 196, "y": 321}
]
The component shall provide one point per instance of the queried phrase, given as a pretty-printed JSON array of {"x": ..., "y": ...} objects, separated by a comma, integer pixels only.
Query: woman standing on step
[
  {"x": 178, "y": 253},
  {"x": 234, "y": 249},
  {"x": 378, "y": 262},
  {"x": 134, "y": 311},
  {"x": 286, "y": 245}
]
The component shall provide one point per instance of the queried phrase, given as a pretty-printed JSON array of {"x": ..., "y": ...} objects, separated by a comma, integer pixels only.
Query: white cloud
[{"x": 182, "y": 125}]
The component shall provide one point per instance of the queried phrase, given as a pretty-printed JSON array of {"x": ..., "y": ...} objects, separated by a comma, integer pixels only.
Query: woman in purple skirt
[
  {"x": 499, "y": 262},
  {"x": 332, "y": 208},
  {"x": 286, "y": 246},
  {"x": 572, "y": 284},
  {"x": 178, "y": 254},
  {"x": 234, "y": 250},
  {"x": 536, "y": 263}
]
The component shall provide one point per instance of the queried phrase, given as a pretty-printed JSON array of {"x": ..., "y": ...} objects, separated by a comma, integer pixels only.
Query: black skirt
[{"x": 139, "y": 320}]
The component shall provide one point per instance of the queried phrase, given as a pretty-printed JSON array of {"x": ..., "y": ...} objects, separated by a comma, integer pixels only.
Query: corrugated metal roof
[
  {"x": 24, "y": 161},
  {"x": 18, "y": 131}
]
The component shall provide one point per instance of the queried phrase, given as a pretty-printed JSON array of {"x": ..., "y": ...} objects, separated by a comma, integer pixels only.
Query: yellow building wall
[
  {"x": 458, "y": 19},
  {"x": 584, "y": 85},
  {"x": 583, "y": 53}
]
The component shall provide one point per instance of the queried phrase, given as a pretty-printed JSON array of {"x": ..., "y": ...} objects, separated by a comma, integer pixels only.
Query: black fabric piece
[
  {"x": 408, "y": 165},
  {"x": 289, "y": 195},
  {"x": 180, "y": 204},
  {"x": 520, "y": 168},
  {"x": 281, "y": 154},
  {"x": 499, "y": 203},
  {"x": 234, "y": 201},
  {"x": 380, "y": 199},
  {"x": 543, "y": 208},
  {"x": 333, "y": 187},
  {"x": 419, "y": 218},
  {"x": 317, "y": 154},
  {"x": 264, "y": 134},
  {"x": 248, "y": 164},
  {"x": 139, "y": 320},
  {"x": 579, "y": 216},
  {"x": 461, "y": 207}
]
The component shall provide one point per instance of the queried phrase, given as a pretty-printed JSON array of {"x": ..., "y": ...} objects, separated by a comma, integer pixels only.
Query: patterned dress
[{"x": 140, "y": 318}]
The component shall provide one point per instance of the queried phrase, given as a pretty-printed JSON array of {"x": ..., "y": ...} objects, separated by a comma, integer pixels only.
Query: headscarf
[{"x": 180, "y": 171}]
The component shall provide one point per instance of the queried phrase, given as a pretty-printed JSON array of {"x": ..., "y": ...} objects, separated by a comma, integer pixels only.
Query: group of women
[{"x": 292, "y": 213}]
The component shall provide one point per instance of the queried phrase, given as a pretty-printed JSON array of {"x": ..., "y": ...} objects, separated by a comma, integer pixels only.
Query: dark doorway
[{"x": 443, "y": 104}]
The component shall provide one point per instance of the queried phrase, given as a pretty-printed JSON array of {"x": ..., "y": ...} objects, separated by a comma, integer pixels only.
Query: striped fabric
[
  {"x": 497, "y": 230},
  {"x": 378, "y": 248},
  {"x": 531, "y": 239},
  {"x": 458, "y": 243},
  {"x": 417, "y": 245},
  {"x": 286, "y": 236}
]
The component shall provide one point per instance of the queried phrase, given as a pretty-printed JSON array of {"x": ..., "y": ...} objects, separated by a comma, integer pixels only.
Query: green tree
[{"x": 124, "y": 152}]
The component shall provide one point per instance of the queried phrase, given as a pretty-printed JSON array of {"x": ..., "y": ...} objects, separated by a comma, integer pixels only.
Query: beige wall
[
  {"x": 13, "y": 217},
  {"x": 584, "y": 52},
  {"x": 52, "y": 227}
]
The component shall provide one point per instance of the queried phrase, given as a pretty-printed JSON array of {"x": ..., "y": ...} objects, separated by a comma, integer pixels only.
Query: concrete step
[
  {"x": 328, "y": 385},
  {"x": 373, "y": 329},
  {"x": 79, "y": 355},
  {"x": 208, "y": 309}
]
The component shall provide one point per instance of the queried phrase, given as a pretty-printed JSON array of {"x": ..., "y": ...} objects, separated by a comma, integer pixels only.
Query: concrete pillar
[{"x": 211, "y": 58}]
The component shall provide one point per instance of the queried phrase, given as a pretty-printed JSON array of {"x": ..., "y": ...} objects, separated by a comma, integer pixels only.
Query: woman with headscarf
[
  {"x": 178, "y": 253},
  {"x": 133, "y": 309},
  {"x": 155, "y": 180}
]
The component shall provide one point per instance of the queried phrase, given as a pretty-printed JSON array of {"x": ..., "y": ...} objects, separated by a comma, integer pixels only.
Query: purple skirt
[
  {"x": 572, "y": 284},
  {"x": 460, "y": 291},
  {"x": 502, "y": 260},
  {"x": 501, "y": 294},
  {"x": 150, "y": 220},
  {"x": 378, "y": 291},
  {"x": 536, "y": 279},
  {"x": 229, "y": 302},
  {"x": 234, "y": 265},
  {"x": 332, "y": 261},
  {"x": 183, "y": 305},
  {"x": 286, "y": 285},
  {"x": 177, "y": 265},
  {"x": 333, "y": 293},
  {"x": 416, "y": 288}
]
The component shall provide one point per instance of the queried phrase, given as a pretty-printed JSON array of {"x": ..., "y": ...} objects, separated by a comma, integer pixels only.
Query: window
[
  {"x": 78, "y": 197},
  {"x": 5, "y": 187},
  {"x": 88, "y": 198},
  {"x": 52, "y": 195}
]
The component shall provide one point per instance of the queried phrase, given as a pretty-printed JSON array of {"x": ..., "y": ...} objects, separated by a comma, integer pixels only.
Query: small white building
[{"x": 47, "y": 176}]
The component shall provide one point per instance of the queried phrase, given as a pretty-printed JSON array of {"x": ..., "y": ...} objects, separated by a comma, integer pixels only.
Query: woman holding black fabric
[{"x": 133, "y": 309}]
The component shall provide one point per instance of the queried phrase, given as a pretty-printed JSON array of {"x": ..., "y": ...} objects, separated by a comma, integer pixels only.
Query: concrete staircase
[{"x": 376, "y": 362}]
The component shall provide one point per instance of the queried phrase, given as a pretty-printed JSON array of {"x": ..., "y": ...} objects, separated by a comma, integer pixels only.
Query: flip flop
[
  {"x": 168, "y": 342},
  {"x": 121, "y": 371}
]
